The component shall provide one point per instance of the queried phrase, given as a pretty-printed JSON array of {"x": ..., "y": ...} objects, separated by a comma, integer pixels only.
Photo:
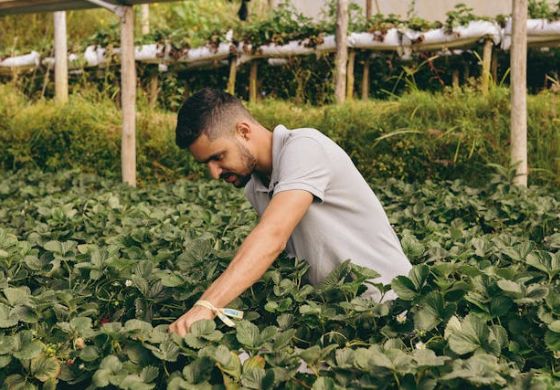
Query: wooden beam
[
  {"x": 341, "y": 50},
  {"x": 519, "y": 92},
  {"x": 128, "y": 97},
  {"x": 60, "y": 58}
]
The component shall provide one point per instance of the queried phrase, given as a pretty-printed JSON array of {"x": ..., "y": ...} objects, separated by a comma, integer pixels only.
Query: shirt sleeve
[{"x": 303, "y": 165}]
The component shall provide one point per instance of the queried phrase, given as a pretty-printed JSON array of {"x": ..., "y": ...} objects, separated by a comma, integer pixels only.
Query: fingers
[{"x": 179, "y": 327}]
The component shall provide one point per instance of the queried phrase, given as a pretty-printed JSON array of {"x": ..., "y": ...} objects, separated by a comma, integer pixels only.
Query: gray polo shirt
[{"x": 345, "y": 220}]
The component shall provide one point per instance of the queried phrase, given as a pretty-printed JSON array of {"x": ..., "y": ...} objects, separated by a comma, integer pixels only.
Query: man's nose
[{"x": 215, "y": 170}]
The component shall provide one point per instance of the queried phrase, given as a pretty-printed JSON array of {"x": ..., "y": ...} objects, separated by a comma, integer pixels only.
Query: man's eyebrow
[{"x": 210, "y": 158}]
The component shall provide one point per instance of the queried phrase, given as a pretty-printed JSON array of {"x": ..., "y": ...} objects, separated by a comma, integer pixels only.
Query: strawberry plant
[{"x": 92, "y": 272}]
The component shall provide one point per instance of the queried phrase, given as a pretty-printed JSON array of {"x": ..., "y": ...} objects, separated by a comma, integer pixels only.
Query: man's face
[{"x": 227, "y": 158}]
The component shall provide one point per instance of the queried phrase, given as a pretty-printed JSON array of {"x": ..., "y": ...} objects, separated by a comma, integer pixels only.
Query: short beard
[{"x": 249, "y": 161}]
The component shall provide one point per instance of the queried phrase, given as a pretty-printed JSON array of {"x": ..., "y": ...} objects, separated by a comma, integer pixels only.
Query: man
[{"x": 311, "y": 199}]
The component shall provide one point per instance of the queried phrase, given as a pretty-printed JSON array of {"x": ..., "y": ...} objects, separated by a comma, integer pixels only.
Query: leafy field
[{"x": 91, "y": 272}]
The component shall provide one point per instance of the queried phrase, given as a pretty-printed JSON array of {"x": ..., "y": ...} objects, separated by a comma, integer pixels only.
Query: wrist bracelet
[{"x": 222, "y": 312}]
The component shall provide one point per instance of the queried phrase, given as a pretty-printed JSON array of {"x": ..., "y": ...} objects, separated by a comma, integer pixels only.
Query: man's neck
[{"x": 263, "y": 167}]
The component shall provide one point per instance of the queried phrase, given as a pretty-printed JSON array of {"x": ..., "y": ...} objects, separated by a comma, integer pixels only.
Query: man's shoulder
[{"x": 307, "y": 132}]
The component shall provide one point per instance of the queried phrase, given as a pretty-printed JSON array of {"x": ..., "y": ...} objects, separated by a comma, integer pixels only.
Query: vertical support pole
[
  {"x": 494, "y": 66},
  {"x": 253, "y": 82},
  {"x": 145, "y": 18},
  {"x": 153, "y": 89},
  {"x": 519, "y": 92},
  {"x": 455, "y": 79},
  {"x": 232, "y": 75},
  {"x": 365, "y": 79},
  {"x": 350, "y": 75},
  {"x": 60, "y": 58},
  {"x": 365, "y": 73},
  {"x": 486, "y": 61},
  {"x": 341, "y": 59},
  {"x": 128, "y": 97}
]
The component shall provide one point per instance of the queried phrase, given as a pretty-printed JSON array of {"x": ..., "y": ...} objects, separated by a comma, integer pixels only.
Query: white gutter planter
[
  {"x": 460, "y": 36},
  {"x": 207, "y": 54},
  {"x": 94, "y": 56},
  {"x": 154, "y": 53},
  {"x": 24, "y": 62},
  {"x": 391, "y": 40},
  {"x": 540, "y": 32}
]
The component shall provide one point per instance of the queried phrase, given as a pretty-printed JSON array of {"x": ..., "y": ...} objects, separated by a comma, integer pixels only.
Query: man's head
[{"x": 217, "y": 129}]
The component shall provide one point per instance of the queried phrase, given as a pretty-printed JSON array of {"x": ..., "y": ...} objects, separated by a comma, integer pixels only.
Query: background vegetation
[{"x": 451, "y": 134}]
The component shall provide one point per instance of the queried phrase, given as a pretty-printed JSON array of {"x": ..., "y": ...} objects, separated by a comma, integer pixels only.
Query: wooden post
[
  {"x": 60, "y": 58},
  {"x": 145, "y": 18},
  {"x": 153, "y": 89},
  {"x": 253, "y": 82},
  {"x": 128, "y": 97},
  {"x": 350, "y": 75},
  {"x": 455, "y": 79},
  {"x": 341, "y": 59},
  {"x": 519, "y": 92},
  {"x": 494, "y": 66},
  {"x": 365, "y": 79},
  {"x": 486, "y": 61},
  {"x": 365, "y": 72},
  {"x": 232, "y": 75},
  {"x": 45, "y": 82}
]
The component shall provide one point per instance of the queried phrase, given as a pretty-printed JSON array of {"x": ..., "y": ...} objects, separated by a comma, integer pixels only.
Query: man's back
[{"x": 345, "y": 221}]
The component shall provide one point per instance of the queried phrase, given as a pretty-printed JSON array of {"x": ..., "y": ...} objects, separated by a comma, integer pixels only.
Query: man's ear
[{"x": 244, "y": 130}]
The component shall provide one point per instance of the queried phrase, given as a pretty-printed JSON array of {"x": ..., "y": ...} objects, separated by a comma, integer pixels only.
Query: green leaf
[
  {"x": 18, "y": 296},
  {"x": 89, "y": 353},
  {"x": 25, "y": 347},
  {"x": 513, "y": 289},
  {"x": 248, "y": 334},
  {"x": 7, "y": 318},
  {"x": 428, "y": 358},
  {"x": 45, "y": 368},
  {"x": 109, "y": 367},
  {"x": 53, "y": 246},
  {"x": 168, "y": 351},
  {"x": 480, "y": 369},
  {"x": 407, "y": 288},
  {"x": 252, "y": 377},
  {"x": 466, "y": 336},
  {"x": 546, "y": 262},
  {"x": 324, "y": 383},
  {"x": 5, "y": 360},
  {"x": 199, "y": 370}
]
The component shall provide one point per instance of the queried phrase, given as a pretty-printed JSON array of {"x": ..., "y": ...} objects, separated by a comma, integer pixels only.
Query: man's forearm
[{"x": 254, "y": 257}]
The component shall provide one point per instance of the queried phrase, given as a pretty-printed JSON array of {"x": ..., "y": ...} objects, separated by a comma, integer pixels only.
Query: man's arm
[{"x": 257, "y": 253}]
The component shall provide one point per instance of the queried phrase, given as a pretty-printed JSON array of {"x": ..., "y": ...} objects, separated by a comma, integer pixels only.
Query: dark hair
[{"x": 206, "y": 112}]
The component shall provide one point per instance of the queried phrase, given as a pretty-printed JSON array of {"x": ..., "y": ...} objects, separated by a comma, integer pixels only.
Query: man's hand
[{"x": 183, "y": 324}]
